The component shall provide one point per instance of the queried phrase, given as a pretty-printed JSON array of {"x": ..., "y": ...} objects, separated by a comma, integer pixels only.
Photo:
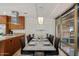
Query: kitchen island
[{"x": 10, "y": 44}]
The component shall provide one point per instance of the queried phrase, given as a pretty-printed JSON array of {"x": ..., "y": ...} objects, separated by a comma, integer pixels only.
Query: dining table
[{"x": 39, "y": 45}]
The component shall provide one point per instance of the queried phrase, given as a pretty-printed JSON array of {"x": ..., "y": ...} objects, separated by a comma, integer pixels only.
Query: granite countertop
[{"x": 9, "y": 36}]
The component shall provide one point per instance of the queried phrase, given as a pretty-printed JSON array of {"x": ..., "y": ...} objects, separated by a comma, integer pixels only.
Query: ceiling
[{"x": 47, "y": 10}]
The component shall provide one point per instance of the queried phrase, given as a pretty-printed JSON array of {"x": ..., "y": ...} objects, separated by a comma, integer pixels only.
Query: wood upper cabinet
[
  {"x": 22, "y": 22},
  {"x": 4, "y": 19},
  {"x": 20, "y": 25}
]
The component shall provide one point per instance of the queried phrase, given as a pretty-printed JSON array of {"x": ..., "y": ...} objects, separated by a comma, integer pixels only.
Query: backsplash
[{"x": 18, "y": 31}]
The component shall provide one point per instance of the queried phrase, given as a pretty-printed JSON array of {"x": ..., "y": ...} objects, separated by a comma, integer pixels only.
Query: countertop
[{"x": 8, "y": 36}]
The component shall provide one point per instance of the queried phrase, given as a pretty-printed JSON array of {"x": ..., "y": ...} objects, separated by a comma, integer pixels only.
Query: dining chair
[
  {"x": 47, "y": 35},
  {"x": 33, "y": 35},
  {"x": 29, "y": 38},
  {"x": 51, "y": 38},
  {"x": 56, "y": 45},
  {"x": 54, "y": 52}
]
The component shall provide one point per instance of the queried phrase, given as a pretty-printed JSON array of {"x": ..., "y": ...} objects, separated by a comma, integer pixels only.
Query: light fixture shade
[{"x": 40, "y": 20}]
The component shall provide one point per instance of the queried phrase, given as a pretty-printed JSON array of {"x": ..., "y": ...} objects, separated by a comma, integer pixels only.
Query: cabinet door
[
  {"x": 3, "y": 19},
  {"x": 7, "y": 48},
  {"x": 1, "y": 48},
  {"x": 11, "y": 46},
  {"x": 18, "y": 45},
  {"x": 20, "y": 25},
  {"x": 22, "y": 22},
  {"x": 15, "y": 44},
  {"x": 14, "y": 48},
  {"x": 22, "y": 41}
]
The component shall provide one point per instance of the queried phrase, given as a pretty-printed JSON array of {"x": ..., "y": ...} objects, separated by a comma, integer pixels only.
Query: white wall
[{"x": 32, "y": 26}]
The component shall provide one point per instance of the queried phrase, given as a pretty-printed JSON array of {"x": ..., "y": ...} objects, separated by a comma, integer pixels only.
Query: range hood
[{"x": 15, "y": 17}]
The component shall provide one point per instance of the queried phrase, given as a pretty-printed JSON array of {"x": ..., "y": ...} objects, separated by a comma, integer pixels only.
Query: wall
[{"x": 32, "y": 26}]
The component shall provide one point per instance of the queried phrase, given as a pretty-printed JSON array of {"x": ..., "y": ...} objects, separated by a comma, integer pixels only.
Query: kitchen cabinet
[
  {"x": 22, "y": 42},
  {"x": 10, "y": 46},
  {"x": 16, "y": 43},
  {"x": 19, "y": 25},
  {"x": 4, "y": 19},
  {"x": 1, "y": 48},
  {"x": 7, "y": 47}
]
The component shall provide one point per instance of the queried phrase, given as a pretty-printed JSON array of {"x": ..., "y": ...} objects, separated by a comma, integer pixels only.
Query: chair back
[
  {"x": 33, "y": 35},
  {"x": 51, "y": 38},
  {"x": 56, "y": 43}
]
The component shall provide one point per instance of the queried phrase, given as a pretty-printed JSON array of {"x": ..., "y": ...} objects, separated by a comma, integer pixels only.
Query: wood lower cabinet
[
  {"x": 7, "y": 47},
  {"x": 1, "y": 48},
  {"x": 10, "y": 46},
  {"x": 22, "y": 42}
]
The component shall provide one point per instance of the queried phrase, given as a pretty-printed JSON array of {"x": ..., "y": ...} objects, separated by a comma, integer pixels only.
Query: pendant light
[{"x": 40, "y": 18}]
